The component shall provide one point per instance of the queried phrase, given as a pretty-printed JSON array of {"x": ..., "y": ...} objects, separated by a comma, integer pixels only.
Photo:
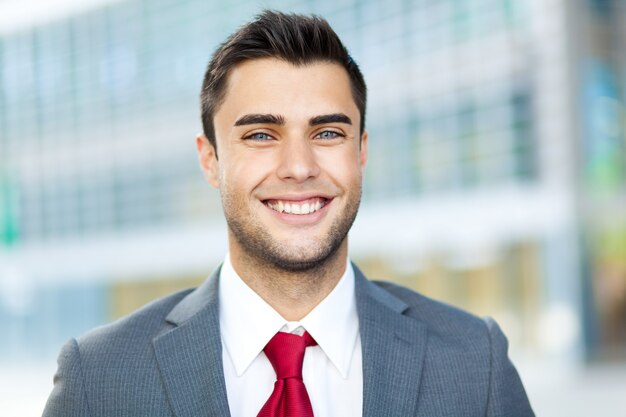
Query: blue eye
[
  {"x": 329, "y": 134},
  {"x": 259, "y": 136}
]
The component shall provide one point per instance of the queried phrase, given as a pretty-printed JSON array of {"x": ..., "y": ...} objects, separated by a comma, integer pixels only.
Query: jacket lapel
[
  {"x": 394, "y": 347},
  {"x": 189, "y": 355}
]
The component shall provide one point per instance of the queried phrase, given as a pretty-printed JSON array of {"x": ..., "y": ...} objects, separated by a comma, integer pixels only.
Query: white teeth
[{"x": 293, "y": 208}]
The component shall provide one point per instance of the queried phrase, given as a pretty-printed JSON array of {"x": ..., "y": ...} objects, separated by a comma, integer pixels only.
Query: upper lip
[{"x": 297, "y": 197}]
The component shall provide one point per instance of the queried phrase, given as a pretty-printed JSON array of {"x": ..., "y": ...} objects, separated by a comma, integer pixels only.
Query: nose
[{"x": 298, "y": 161}]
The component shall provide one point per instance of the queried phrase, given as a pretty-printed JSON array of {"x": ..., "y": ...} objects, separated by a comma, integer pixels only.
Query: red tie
[{"x": 289, "y": 398}]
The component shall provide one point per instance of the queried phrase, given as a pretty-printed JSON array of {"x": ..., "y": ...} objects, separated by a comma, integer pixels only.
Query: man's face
[{"x": 290, "y": 161}]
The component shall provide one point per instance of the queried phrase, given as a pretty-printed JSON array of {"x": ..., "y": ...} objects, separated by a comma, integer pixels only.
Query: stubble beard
[{"x": 268, "y": 253}]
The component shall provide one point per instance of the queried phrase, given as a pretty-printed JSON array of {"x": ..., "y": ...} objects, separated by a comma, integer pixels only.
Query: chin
[
  {"x": 292, "y": 265},
  {"x": 300, "y": 262}
]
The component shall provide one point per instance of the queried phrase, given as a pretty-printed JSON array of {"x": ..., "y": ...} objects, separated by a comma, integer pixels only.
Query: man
[{"x": 288, "y": 326}]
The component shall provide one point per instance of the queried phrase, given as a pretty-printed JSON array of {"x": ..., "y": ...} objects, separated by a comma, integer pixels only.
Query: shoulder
[
  {"x": 134, "y": 331},
  {"x": 465, "y": 356},
  {"x": 96, "y": 369},
  {"x": 441, "y": 319}
]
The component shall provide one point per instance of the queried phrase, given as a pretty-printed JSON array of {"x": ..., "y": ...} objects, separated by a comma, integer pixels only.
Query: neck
[{"x": 293, "y": 294}]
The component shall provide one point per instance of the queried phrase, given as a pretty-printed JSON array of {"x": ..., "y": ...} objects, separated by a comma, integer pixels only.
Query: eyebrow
[
  {"x": 252, "y": 119},
  {"x": 276, "y": 119},
  {"x": 330, "y": 118}
]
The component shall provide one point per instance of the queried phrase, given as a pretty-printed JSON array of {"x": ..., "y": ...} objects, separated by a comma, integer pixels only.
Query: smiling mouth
[{"x": 308, "y": 206}]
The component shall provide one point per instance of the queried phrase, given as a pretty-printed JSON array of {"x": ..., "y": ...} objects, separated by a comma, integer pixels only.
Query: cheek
[
  {"x": 243, "y": 173},
  {"x": 343, "y": 166}
]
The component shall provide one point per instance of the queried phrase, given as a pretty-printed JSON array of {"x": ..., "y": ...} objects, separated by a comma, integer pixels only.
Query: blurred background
[{"x": 496, "y": 179}]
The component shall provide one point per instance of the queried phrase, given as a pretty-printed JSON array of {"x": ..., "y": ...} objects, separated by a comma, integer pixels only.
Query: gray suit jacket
[{"x": 420, "y": 358}]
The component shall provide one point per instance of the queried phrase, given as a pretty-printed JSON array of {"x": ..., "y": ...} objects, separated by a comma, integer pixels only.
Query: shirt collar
[{"x": 247, "y": 322}]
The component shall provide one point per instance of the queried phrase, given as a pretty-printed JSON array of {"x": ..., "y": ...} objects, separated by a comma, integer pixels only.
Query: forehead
[{"x": 271, "y": 85}]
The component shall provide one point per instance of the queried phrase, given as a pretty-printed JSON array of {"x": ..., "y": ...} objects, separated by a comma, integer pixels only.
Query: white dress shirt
[{"x": 332, "y": 371}]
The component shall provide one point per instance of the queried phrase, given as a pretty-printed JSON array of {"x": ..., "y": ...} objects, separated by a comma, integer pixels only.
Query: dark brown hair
[{"x": 294, "y": 38}]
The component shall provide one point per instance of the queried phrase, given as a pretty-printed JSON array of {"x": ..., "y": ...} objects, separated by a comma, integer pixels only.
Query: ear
[
  {"x": 207, "y": 156},
  {"x": 363, "y": 151}
]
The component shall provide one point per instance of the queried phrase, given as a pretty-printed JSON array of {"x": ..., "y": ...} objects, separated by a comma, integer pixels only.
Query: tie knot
[{"x": 285, "y": 352}]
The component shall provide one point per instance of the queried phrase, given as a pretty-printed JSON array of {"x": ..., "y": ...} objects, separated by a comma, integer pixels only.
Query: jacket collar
[
  {"x": 394, "y": 347},
  {"x": 189, "y": 355}
]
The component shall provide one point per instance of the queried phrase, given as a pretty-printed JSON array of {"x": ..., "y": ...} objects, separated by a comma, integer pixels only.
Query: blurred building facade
[{"x": 496, "y": 178}]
